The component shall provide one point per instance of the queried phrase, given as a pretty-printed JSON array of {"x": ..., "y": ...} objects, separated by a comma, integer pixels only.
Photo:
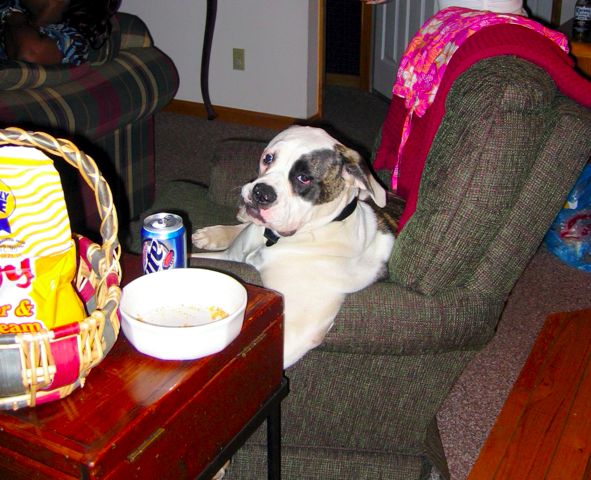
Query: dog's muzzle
[{"x": 263, "y": 195}]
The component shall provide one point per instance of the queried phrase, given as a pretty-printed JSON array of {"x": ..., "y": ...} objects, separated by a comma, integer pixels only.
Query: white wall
[
  {"x": 542, "y": 9},
  {"x": 568, "y": 10},
  {"x": 279, "y": 38}
]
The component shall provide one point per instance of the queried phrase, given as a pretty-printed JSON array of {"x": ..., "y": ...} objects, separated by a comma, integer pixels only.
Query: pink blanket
[{"x": 500, "y": 39}]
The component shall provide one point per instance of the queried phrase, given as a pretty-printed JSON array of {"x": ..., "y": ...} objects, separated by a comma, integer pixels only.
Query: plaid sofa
[
  {"x": 105, "y": 106},
  {"x": 363, "y": 405}
]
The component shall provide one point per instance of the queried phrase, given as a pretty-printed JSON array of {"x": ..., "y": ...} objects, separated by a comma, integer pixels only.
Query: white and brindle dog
[{"x": 305, "y": 231}]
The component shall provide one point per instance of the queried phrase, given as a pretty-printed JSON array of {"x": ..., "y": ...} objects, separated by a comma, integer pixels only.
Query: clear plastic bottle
[{"x": 582, "y": 21}]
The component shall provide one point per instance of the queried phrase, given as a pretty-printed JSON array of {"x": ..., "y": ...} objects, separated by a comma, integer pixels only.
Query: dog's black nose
[{"x": 263, "y": 194}]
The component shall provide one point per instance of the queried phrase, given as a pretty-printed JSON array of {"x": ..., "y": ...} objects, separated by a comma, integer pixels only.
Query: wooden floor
[{"x": 544, "y": 428}]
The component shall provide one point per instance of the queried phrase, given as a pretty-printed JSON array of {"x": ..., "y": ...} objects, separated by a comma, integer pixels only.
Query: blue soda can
[{"x": 164, "y": 242}]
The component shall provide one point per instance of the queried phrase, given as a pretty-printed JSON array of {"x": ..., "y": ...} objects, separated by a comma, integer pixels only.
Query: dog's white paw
[
  {"x": 209, "y": 238},
  {"x": 218, "y": 237}
]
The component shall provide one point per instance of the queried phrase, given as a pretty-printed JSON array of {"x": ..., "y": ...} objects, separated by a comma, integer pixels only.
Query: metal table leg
[{"x": 274, "y": 443}]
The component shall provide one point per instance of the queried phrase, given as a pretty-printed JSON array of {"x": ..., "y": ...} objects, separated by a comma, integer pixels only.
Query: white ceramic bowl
[{"x": 168, "y": 314}]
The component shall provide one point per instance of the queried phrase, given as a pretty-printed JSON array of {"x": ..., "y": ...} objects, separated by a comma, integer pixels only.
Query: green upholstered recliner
[{"x": 363, "y": 404}]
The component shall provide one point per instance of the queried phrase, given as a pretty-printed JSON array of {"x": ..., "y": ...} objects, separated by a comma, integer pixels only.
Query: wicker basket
[{"x": 41, "y": 367}]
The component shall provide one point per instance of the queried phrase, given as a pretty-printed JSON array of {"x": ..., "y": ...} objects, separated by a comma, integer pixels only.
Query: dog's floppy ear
[{"x": 355, "y": 168}]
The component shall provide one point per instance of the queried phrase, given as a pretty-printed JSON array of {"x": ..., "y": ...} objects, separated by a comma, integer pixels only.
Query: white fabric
[{"x": 499, "y": 6}]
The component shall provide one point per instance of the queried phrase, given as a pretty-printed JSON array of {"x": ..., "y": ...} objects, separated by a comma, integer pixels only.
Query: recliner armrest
[{"x": 388, "y": 319}]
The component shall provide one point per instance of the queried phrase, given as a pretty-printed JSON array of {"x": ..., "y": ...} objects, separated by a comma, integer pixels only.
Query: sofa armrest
[
  {"x": 128, "y": 31},
  {"x": 15, "y": 75},
  {"x": 133, "y": 31},
  {"x": 386, "y": 318}
]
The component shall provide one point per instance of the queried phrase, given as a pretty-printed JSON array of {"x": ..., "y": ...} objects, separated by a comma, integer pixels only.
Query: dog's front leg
[
  {"x": 218, "y": 237},
  {"x": 310, "y": 307},
  {"x": 248, "y": 239}
]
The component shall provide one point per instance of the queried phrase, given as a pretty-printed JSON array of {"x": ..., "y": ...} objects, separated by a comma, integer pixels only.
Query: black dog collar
[
  {"x": 273, "y": 238},
  {"x": 348, "y": 210}
]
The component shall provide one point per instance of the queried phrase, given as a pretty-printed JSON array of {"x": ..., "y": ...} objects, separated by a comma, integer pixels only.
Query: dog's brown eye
[
  {"x": 304, "y": 179},
  {"x": 268, "y": 159}
]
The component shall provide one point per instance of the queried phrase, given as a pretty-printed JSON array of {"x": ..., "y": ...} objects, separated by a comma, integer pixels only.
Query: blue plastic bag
[{"x": 569, "y": 237}]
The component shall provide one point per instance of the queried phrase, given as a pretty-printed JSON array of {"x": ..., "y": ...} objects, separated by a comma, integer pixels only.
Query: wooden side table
[
  {"x": 138, "y": 417},
  {"x": 544, "y": 428}
]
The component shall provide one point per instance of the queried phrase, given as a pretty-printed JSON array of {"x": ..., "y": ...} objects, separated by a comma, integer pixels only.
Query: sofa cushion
[{"x": 499, "y": 112}]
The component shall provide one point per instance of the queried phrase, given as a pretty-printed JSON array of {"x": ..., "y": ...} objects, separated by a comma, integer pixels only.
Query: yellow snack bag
[{"x": 38, "y": 256}]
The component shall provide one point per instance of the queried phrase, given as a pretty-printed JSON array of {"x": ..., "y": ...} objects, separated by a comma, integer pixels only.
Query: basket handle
[{"x": 87, "y": 168}]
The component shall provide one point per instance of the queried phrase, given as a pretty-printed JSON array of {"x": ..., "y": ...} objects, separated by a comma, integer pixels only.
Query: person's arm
[{"x": 23, "y": 42}]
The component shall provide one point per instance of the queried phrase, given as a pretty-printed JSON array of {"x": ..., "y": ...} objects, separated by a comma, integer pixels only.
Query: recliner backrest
[{"x": 505, "y": 156}]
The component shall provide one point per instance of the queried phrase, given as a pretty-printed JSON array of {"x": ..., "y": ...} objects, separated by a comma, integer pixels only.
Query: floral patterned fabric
[{"x": 425, "y": 59}]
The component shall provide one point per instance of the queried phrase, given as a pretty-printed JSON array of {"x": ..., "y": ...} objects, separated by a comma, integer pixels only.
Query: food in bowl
[{"x": 182, "y": 314}]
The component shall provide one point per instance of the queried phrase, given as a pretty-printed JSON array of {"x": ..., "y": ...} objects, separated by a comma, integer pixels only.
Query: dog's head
[{"x": 306, "y": 178}]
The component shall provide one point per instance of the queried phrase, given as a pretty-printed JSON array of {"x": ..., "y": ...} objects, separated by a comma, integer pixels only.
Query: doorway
[{"x": 348, "y": 37}]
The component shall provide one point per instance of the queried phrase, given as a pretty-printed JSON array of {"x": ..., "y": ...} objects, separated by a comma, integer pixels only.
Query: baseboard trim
[{"x": 235, "y": 115}]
